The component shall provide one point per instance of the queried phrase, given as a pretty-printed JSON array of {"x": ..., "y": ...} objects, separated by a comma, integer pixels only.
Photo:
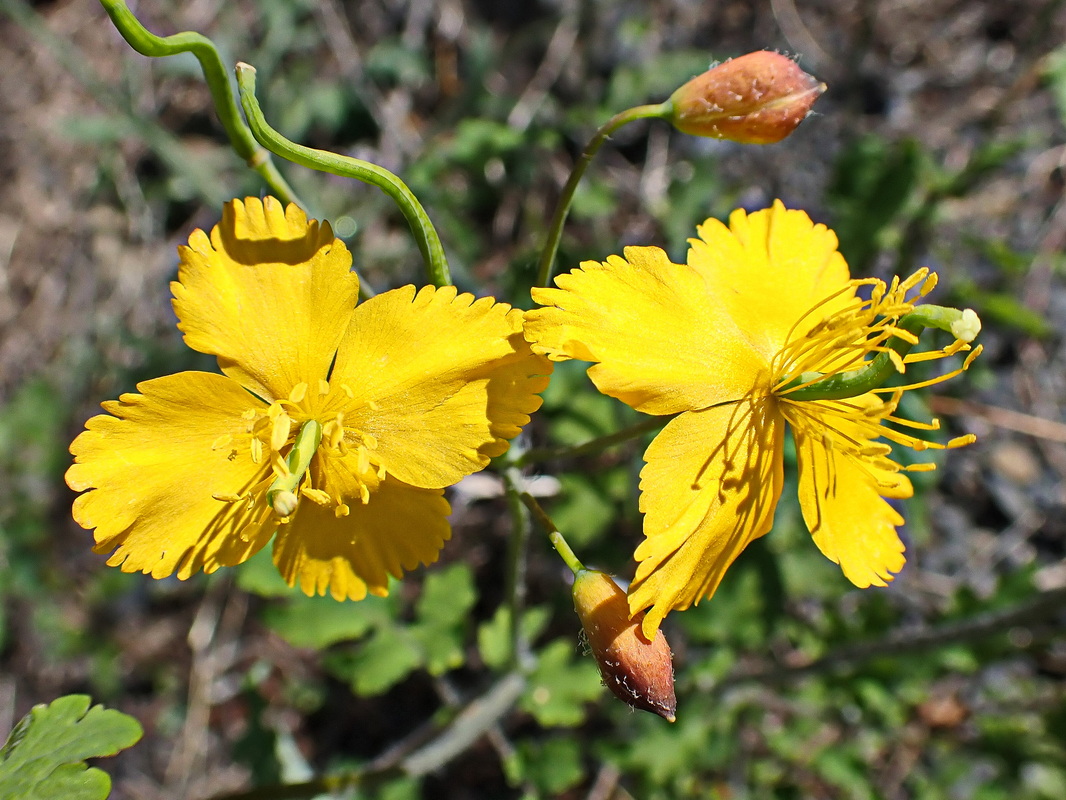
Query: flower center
[{"x": 290, "y": 433}]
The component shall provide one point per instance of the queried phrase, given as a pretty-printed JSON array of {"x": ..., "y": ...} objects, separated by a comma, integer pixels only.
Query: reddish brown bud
[
  {"x": 758, "y": 98},
  {"x": 638, "y": 671}
]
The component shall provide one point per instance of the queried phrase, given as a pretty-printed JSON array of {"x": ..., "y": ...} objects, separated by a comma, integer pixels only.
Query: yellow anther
[
  {"x": 962, "y": 441},
  {"x": 298, "y": 393},
  {"x": 897, "y": 361},
  {"x": 348, "y": 391},
  {"x": 335, "y": 435},
  {"x": 223, "y": 497},
  {"x": 323, "y": 386},
  {"x": 278, "y": 464},
  {"x": 275, "y": 409},
  {"x": 923, "y": 467},
  {"x": 341, "y": 510},
  {"x": 221, "y": 442},
  {"x": 363, "y": 463},
  {"x": 249, "y": 415},
  {"x": 279, "y": 434},
  {"x": 364, "y": 494},
  {"x": 930, "y": 284},
  {"x": 372, "y": 405},
  {"x": 257, "y": 451},
  {"x": 370, "y": 441},
  {"x": 317, "y": 496},
  {"x": 918, "y": 276}
]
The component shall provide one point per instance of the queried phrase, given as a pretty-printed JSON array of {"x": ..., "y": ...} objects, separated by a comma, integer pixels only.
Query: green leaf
[
  {"x": 318, "y": 622},
  {"x": 560, "y": 686},
  {"x": 44, "y": 757},
  {"x": 447, "y": 596},
  {"x": 553, "y": 766},
  {"x": 442, "y": 611},
  {"x": 385, "y": 659},
  {"x": 494, "y": 636}
]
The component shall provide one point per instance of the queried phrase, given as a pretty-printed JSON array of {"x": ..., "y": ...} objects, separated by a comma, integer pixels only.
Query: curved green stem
[
  {"x": 562, "y": 547},
  {"x": 963, "y": 325},
  {"x": 347, "y": 167},
  {"x": 148, "y": 44},
  {"x": 562, "y": 208}
]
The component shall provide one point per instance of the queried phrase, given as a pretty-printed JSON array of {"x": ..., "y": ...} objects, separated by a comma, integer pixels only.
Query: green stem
[
  {"x": 539, "y": 454},
  {"x": 562, "y": 208},
  {"x": 347, "y": 167},
  {"x": 148, "y": 44},
  {"x": 515, "y": 586},
  {"x": 874, "y": 374},
  {"x": 560, "y": 543}
]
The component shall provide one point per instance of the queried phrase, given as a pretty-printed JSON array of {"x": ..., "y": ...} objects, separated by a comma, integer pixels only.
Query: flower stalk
[
  {"x": 241, "y": 139},
  {"x": 566, "y": 199},
  {"x": 347, "y": 167}
]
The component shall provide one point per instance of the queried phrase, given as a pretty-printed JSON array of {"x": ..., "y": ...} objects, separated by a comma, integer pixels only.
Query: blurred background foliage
[{"x": 940, "y": 142}]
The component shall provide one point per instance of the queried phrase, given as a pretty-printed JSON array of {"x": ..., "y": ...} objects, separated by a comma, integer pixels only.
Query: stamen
[
  {"x": 924, "y": 466},
  {"x": 962, "y": 441},
  {"x": 348, "y": 391},
  {"x": 257, "y": 451},
  {"x": 342, "y": 510},
  {"x": 897, "y": 361},
  {"x": 279, "y": 434},
  {"x": 278, "y": 464},
  {"x": 222, "y": 442},
  {"x": 223, "y": 497},
  {"x": 298, "y": 393},
  {"x": 317, "y": 496},
  {"x": 335, "y": 434},
  {"x": 323, "y": 386},
  {"x": 934, "y": 425},
  {"x": 918, "y": 276}
]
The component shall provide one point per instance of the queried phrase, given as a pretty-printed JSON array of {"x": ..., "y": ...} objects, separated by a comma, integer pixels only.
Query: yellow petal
[
  {"x": 841, "y": 493},
  {"x": 440, "y": 381},
  {"x": 709, "y": 488},
  {"x": 399, "y": 528},
  {"x": 269, "y": 294},
  {"x": 768, "y": 269},
  {"x": 151, "y": 466},
  {"x": 661, "y": 341}
]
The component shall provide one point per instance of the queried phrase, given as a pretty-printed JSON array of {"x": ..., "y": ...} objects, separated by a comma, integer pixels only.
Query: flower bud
[
  {"x": 758, "y": 98},
  {"x": 639, "y": 672}
]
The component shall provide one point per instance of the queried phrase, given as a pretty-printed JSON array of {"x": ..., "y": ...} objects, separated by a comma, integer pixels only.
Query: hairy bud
[
  {"x": 758, "y": 98},
  {"x": 639, "y": 672}
]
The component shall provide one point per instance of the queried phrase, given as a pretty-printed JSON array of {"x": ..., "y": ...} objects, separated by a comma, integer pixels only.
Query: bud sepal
[
  {"x": 758, "y": 98},
  {"x": 639, "y": 671}
]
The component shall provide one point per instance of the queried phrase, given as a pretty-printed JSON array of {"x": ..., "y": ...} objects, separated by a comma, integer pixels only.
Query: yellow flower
[
  {"x": 333, "y": 425},
  {"x": 730, "y": 342}
]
